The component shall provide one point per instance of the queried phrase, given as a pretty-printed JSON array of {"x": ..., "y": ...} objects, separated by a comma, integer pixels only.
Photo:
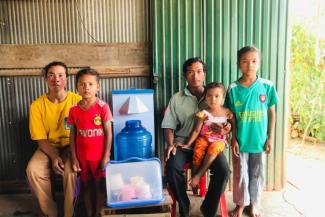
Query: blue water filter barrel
[{"x": 133, "y": 141}]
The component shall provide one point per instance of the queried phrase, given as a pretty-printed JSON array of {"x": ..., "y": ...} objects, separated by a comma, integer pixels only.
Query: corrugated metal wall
[
  {"x": 17, "y": 93},
  {"x": 215, "y": 30},
  {"x": 74, "y": 21},
  {"x": 59, "y": 21}
]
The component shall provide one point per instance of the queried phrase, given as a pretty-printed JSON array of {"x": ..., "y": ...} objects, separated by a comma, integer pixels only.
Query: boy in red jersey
[{"x": 90, "y": 139}]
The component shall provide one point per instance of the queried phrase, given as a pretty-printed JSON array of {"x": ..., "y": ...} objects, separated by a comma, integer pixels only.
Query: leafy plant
[{"x": 307, "y": 93}]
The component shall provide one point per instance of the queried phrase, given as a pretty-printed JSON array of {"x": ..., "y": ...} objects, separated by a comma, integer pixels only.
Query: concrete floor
[
  {"x": 274, "y": 204},
  {"x": 303, "y": 194}
]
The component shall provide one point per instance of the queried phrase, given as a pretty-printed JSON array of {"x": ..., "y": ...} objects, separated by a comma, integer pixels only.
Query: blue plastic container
[{"x": 133, "y": 141}]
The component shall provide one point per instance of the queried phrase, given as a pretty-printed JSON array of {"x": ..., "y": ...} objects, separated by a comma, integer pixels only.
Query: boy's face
[
  {"x": 215, "y": 97},
  {"x": 249, "y": 63},
  {"x": 88, "y": 86},
  {"x": 56, "y": 78},
  {"x": 195, "y": 75}
]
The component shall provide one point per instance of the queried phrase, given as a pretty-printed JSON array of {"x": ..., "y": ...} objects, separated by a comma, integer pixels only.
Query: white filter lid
[{"x": 133, "y": 105}]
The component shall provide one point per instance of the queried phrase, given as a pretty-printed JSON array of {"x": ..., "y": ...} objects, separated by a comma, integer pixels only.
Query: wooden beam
[
  {"x": 75, "y": 55},
  {"x": 113, "y": 71}
]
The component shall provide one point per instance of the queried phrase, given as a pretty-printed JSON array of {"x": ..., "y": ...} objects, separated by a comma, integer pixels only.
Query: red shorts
[{"x": 90, "y": 170}]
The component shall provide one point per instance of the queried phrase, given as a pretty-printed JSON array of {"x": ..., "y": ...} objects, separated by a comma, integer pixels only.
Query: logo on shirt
[
  {"x": 97, "y": 120},
  {"x": 262, "y": 98},
  {"x": 66, "y": 126},
  {"x": 237, "y": 103},
  {"x": 251, "y": 116},
  {"x": 91, "y": 132}
]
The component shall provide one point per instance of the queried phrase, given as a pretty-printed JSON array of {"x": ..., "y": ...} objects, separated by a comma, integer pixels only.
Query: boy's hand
[
  {"x": 235, "y": 147},
  {"x": 103, "y": 163},
  {"x": 268, "y": 146},
  {"x": 75, "y": 165}
]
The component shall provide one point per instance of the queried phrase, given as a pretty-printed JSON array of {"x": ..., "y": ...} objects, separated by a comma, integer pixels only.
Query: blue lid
[
  {"x": 135, "y": 203},
  {"x": 133, "y": 123}
]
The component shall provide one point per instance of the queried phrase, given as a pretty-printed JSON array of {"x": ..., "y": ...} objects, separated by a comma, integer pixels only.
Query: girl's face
[
  {"x": 87, "y": 86},
  {"x": 215, "y": 97},
  {"x": 249, "y": 63},
  {"x": 56, "y": 78}
]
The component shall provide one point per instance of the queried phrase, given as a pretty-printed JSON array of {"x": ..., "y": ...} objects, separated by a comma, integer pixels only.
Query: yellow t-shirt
[{"x": 48, "y": 120}]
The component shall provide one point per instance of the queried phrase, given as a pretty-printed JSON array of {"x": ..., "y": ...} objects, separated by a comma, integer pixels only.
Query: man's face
[
  {"x": 195, "y": 75},
  {"x": 56, "y": 78}
]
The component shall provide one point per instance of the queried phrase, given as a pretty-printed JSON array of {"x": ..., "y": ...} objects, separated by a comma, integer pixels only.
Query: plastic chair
[{"x": 202, "y": 192}]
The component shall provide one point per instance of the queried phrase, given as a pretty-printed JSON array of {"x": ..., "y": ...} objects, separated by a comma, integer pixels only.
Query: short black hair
[
  {"x": 192, "y": 60},
  {"x": 86, "y": 71},
  {"x": 45, "y": 70},
  {"x": 249, "y": 48},
  {"x": 215, "y": 85}
]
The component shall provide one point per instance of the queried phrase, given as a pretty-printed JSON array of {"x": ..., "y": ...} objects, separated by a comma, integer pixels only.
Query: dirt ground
[{"x": 308, "y": 150}]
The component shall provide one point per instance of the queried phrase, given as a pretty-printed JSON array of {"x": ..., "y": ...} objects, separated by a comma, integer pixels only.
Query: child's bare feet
[
  {"x": 253, "y": 211},
  {"x": 238, "y": 211},
  {"x": 195, "y": 191},
  {"x": 195, "y": 180}
]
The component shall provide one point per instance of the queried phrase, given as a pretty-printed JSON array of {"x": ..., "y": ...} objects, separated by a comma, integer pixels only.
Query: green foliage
[{"x": 307, "y": 91}]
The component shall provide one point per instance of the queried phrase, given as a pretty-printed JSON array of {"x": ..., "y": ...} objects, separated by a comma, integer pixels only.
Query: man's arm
[
  {"x": 57, "y": 163},
  {"x": 169, "y": 137},
  {"x": 74, "y": 159},
  {"x": 195, "y": 133}
]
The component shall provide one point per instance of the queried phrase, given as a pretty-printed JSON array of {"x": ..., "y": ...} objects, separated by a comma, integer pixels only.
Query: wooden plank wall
[{"x": 113, "y": 60}]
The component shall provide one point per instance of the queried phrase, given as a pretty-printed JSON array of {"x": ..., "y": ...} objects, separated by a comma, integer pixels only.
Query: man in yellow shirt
[{"x": 48, "y": 127}]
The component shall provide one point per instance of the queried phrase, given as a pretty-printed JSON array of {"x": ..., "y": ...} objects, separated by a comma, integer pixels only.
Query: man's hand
[
  {"x": 57, "y": 165},
  {"x": 170, "y": 150},
  {"x": 183, "y": 146},
  {"x": 235, "y": 147},
  {"x": 268, "y": 146}
]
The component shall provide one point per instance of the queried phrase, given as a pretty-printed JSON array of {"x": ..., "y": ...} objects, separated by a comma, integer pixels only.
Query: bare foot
[
  {"x": 238, "y": 211},
  {"x": 194, "y": 182},
  {"x": 195, "y": 191},
  {"x": 253, "y": 211}
]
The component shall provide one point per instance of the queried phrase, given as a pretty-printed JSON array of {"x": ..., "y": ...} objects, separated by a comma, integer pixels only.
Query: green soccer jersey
[{"x": 250, "y": 106}]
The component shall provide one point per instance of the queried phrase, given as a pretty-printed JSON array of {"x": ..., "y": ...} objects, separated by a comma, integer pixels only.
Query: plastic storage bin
[{"x": 134, "y": 182}]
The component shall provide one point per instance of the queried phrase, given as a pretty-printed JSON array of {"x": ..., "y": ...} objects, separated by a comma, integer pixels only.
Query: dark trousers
[{"x": 176, "y": 181}]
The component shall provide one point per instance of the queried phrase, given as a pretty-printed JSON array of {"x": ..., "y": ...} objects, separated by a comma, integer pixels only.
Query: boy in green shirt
[{"x": 252, "y": 100}]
